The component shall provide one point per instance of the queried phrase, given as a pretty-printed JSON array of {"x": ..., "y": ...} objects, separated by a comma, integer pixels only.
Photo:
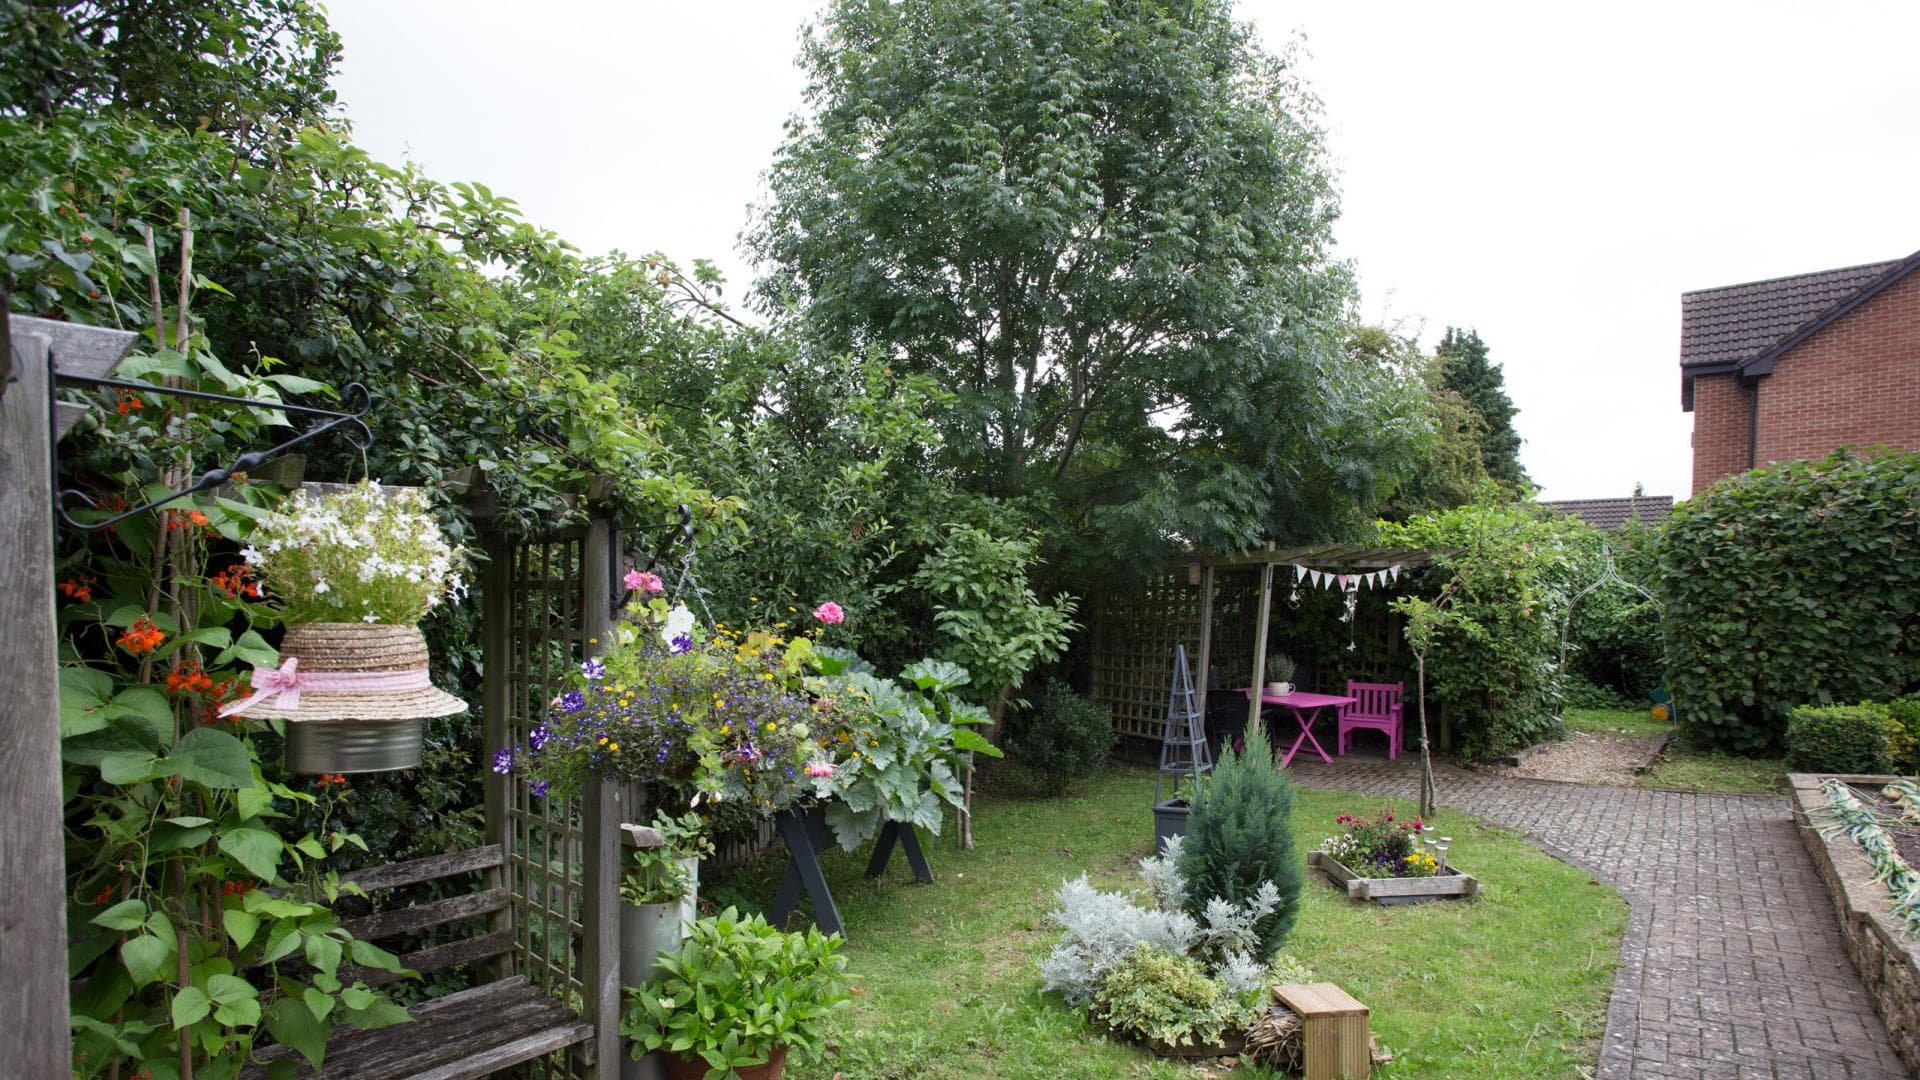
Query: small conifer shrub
[{"x": 1240, "y": 836}]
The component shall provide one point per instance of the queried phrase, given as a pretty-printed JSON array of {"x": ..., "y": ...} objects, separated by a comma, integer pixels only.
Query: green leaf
[
  {"x": 367, "y": 954},
  {"x": 83, "y": 692},
  {"x": 380, "y": 1014},
  {"x": 241, "y": 926},
  {"x": 291, "y": 1023},
  {"x": 215, "y": 759},
  {"x": 357, "y": 996},
  {"x": 134, "y": 767},
  {"x": 144, "y": 955},
  {"x": 251, "y": 648},
  {"x": 125, "y": 915},
  {"x": 190, "y": 1006},
  {"x": 256, "y": 849},
  {"x": 321, "y": 1003},
  {"x": 323, "y": 952},
  {"x": 237, "y": 1000}
]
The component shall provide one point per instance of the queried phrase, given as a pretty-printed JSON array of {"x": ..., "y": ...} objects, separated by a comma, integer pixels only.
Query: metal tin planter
[{"x": 353, "y": 746}]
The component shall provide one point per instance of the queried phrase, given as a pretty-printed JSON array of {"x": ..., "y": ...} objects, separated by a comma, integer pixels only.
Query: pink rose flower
[
  {"x": 829, "y": 613},
  {"x": 819, "y": 768},
  {"x": 640, "y": 579}
]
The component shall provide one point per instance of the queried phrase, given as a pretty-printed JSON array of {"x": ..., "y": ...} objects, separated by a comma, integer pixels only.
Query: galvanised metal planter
[
  {"x": 353, "y": 746},
  {"x": 1169, "y": 821}
]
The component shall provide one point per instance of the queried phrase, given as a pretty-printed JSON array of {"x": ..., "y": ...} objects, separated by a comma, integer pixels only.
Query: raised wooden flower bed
[{"x": 1453, "y": 885}]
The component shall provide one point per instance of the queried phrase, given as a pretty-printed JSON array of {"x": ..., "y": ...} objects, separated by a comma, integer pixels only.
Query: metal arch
[
  {"x": 1608, "y": 575},
  {"x": 356, "y": 396}
]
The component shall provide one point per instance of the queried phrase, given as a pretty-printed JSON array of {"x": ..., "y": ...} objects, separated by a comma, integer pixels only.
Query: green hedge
[
  {"x": 1841, "y": 738},
  {"x": 1792, "y": 585}
]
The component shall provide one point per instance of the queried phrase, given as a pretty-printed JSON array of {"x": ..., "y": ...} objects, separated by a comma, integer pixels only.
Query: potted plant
[
  {"x": 658, "y": 889},
  {"x": 352, "y": 574},
  {"x": 736, "y": 998},
  {"x": 891, "y": 751},
  {"x": 1279, "y": 673},
  {"x": 1391, "y": 861}
]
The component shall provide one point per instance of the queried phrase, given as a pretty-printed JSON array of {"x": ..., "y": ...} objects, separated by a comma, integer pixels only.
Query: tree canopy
[
  {"x": 1104, "y": 227},
  {"x": 1467, "y": 371}
]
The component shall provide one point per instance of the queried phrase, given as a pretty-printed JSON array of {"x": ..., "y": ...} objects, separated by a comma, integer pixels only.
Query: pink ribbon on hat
[{"x": 286, "y": 682}]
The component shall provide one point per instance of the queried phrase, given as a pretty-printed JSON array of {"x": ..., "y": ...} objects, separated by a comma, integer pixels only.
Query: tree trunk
[
  {"x": 1426, "y": 752},
  {"x": 963, "y": 836}
]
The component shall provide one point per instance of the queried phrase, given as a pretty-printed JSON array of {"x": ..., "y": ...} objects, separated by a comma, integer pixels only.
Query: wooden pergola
[{"x": 1320, "y": 556}]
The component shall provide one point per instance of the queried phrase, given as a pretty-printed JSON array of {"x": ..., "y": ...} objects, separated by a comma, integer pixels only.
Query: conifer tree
[
  {"x": 1240, "y": 834},
  {"x": 1467, "y": 370}
]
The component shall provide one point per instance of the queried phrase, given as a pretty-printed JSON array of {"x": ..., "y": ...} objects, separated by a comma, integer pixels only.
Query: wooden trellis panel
[
  {"x": 547, "y": 604},
  {"x": 1134, "y": 639}
]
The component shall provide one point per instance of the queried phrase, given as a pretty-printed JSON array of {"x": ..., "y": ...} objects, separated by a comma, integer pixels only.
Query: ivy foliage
[{"x": 1797, "y": 584}]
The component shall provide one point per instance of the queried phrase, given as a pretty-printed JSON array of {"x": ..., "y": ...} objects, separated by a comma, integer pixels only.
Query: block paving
[{"x": 1732, "y": 966}]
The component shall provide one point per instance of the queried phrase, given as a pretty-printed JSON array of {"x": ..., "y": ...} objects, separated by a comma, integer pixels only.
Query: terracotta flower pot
[{"x": 693, "y": 1068}]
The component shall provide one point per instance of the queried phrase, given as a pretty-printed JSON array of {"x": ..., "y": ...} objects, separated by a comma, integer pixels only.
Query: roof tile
[
  {"x": 1735, "y": 323},
  {"x": 1610, "y": 514}
]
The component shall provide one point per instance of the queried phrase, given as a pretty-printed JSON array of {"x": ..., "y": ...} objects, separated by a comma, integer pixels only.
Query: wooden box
[
  {"x": 1454, "y": 885},
  {"x": 1336, "y": 1043}
]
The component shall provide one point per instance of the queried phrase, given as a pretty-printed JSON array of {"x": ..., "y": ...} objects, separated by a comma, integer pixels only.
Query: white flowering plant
[{"x": 362, "y": 555}]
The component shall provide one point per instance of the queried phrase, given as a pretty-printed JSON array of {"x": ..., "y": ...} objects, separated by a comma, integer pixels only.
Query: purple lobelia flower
[
  {"x": 503, "y": 760},
  {"x": 573, "y": 701}
]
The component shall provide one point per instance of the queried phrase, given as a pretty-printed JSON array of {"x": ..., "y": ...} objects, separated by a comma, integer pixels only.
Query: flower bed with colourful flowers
[{"x": 1380, "y": 846}]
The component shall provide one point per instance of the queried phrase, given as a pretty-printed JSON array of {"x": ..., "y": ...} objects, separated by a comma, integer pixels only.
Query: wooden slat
[
  {"x": 420, "y": 916},
  {"x": 429, "y": 868},
  {"x": 471, "y": 1033},
  {"x": 438, "y": 958}
]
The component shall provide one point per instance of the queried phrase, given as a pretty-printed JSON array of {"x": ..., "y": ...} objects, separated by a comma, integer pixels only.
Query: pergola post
[
  {"x": 1260, "y": 644},
  {"x": 1206, "y": 634}
]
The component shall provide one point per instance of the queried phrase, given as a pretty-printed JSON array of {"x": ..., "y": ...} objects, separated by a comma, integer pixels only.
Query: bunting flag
[{"x": 1354, "y": 582}]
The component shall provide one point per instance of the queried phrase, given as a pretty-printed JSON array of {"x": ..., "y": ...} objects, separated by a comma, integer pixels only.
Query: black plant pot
[{"x": 1169, "y": 821}]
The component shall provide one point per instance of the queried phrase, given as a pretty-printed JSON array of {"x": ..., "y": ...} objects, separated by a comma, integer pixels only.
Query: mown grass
[
  {"x": 1684, "y": 766},
  {"x": 1513, "y": 984}
]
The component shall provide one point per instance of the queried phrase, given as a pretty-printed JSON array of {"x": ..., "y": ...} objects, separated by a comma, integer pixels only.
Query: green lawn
[
  {"x": 1683, "y": 766},
  {"x": 1513, "y": 984}
]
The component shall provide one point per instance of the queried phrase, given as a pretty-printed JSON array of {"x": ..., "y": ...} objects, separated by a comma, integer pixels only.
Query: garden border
[{"x": 1887, "y": 959}]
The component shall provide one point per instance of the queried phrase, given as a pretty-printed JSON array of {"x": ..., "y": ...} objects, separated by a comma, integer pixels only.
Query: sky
[{"x": 1553, "y": 176}]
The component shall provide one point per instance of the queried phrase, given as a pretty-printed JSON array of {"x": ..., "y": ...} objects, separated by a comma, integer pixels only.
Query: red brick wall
[
  {"x": 1719, "y": 429},
  {"x": 1857, "y": 381}
]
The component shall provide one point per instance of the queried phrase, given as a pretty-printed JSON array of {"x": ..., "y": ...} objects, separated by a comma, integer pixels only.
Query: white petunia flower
[{"x": 321, "y": 586}]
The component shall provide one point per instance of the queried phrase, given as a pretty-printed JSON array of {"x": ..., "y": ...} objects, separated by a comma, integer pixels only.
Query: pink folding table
[{"x": 1305, "y": 707}]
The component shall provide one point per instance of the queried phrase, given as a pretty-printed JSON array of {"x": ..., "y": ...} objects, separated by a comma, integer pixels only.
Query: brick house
[{"x": 1797, "y": 366}]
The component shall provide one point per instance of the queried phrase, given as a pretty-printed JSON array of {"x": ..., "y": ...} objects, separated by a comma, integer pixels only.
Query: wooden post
[
  {"x": 496, "y": 590},
  {"x": 1260, "y": 647},
  {"x": 1334, "y": 1037},
  {"x": 35, "y": 1041},
  {"x": 601, "y": 818},
  {"x": 1206, "y": 635}
]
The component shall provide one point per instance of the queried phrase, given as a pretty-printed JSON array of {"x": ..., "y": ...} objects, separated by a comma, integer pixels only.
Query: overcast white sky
[{"x": 1553, "y": 176}]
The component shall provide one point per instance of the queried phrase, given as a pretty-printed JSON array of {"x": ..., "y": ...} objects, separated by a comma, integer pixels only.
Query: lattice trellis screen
[
  {"x": 547, "y": 599},
  {"x": 1133, "y": 647}
]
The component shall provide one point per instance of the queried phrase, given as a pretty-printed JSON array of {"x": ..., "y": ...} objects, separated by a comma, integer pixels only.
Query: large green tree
[
  {"x": 1467, "y": 370},
  {"x": 1104, "y": 227}
]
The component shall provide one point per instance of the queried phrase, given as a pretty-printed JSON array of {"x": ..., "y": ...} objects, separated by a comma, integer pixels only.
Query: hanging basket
[{"x": 354, "y": 696}]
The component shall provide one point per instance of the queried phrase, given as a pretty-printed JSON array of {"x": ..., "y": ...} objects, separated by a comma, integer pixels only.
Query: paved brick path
[{"x": 1731, "y": 965}]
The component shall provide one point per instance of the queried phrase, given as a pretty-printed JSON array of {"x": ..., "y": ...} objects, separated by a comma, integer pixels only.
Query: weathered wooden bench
[{"x": 491, "y": 1026}]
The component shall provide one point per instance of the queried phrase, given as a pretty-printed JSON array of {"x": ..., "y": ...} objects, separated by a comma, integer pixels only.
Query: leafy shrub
[
  {"x": 1841, "y": 738},
  {"x": 1791, "y": 585},
  {"x": 1239, "y": 842},
  {"x": 1154, "y": 994},
  {"x": 736, "y": 990},
  {"x": 1489, "y": 615},
  {"x": 1580, "y": 692},
  {"x": 1904, "y": 747},
  {"x": 1067, "y": 738}
]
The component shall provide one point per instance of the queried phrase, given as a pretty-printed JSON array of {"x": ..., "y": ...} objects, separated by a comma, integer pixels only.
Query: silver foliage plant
[{"x": 1100, "y": 929}]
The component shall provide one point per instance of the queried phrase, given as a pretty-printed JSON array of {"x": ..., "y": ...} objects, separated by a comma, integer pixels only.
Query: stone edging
[{"x": 1887, "y": 958}]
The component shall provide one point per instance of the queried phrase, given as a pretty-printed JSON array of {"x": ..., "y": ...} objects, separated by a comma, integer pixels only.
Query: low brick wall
[{"x": 1888, "y": 960}]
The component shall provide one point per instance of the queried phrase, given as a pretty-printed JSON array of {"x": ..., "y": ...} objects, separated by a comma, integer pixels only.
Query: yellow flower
[
  {"x": 724, "y": 728},
  {"x": 615, "y": 747}
]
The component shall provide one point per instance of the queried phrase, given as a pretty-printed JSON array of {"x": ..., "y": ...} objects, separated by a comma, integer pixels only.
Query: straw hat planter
[{"x": 354, "y": 693}]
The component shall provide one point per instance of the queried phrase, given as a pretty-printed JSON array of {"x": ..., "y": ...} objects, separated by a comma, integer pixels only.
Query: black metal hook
[
  {"x": 356, "y": 397},
  {"x": 681, "y": 533}
]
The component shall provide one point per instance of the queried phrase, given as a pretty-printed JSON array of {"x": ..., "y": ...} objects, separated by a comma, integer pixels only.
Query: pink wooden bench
[{"x": 1376, "y": 707}]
